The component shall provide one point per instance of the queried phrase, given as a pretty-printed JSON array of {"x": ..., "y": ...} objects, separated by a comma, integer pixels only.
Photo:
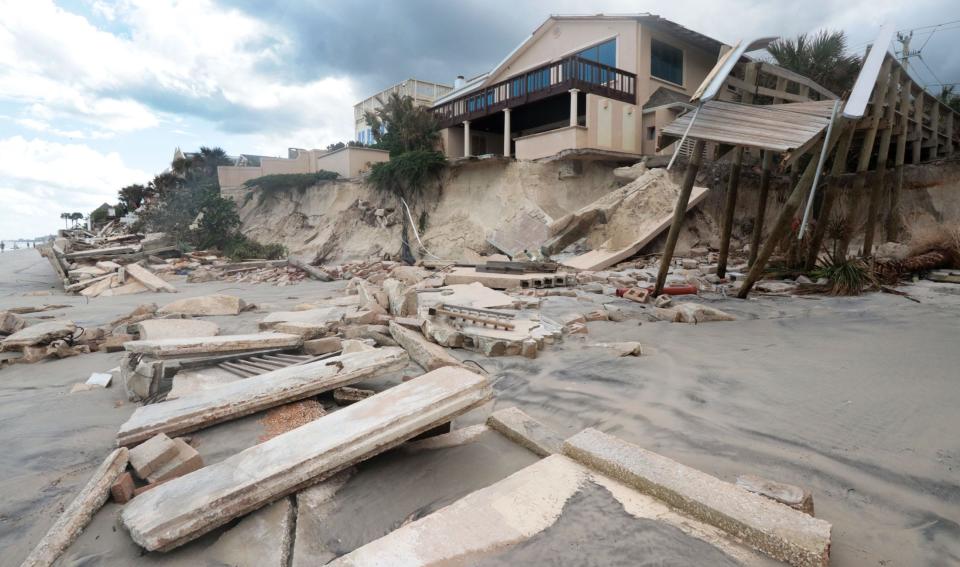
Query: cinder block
[
  {"x": 152, "y": 454},
  {"x": 781, "y": 532},
  {"x": 185, "y": 461},
  {"x": 122, "y": 489}
]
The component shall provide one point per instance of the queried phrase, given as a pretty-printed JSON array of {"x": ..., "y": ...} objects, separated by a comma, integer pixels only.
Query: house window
[
  {"x": 666, "y": 62},
  {"x": 605, "y": 53},
  {"x": 651, "y": 132}
]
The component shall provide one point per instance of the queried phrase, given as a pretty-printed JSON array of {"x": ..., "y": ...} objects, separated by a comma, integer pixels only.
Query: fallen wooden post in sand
[
  {"x": 312, "y": 271},
  {"x": 76, "y": 516},
  {"x": 237, "y": 399},
  {"x": 192, "y": 505},
  {"x": 197, "y": 346}
]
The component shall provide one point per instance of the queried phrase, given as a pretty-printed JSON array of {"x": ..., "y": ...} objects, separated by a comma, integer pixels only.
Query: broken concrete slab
[
  {"x": 428, "y": 355},
  {"x": 39, "y": 334},
  {"x": 689, "y": 312},
  {"x": 327, "y": 317},
  {"x": 788, "y": 494},
  {"x": 325, "y": 345},
  {"x": 77, "y": 515},
  {"x": 401, "y": 297},
  {"x": 129, "y": 288},
  {"x": 11, "y": 323},
  {"x": 185, "y": 460},
  {"x": 264, "y": 538},
  {"x": 147, "y": 457},
  {"x": 601, "y": 258},
  {"x": 153, "y": 329},
  {"x": 225, "y": 344},
  {"x": 100, "y": 379},
  {"x": 517, "y": 426},
  {"x": 186, "y": 508},
  {"x": 236, "y": 399},
  {"x": 506, "y": 516},
  {"x": 306, "y": 330},
  {"x": 346, "y": 395},
  {"x": 314, "y": 506},
  {"x": 780, "y": 532},
  {"x": 626, "y": 348},
  {"x": 454, "y": 438},
  {"x": 474, "y": 295},
  {"x": 205, "y": 305},
  {"x": 148, "y": 278}
]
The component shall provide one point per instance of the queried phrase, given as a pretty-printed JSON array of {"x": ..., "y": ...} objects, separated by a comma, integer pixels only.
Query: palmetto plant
[
  {"x": 846, "y": 276},
  {"x": 820, "y": 56}
]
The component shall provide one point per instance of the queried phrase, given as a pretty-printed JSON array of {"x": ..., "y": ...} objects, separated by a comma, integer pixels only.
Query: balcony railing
[{"x": 542, "y": 82}]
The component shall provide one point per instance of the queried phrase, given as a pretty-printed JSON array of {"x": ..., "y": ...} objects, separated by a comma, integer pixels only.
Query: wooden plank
[
  {"x": 237, "y": 399},
  {"x": 766, "y": 164},
  {"x": 187, "y": 507},
  {"x": 148, "y": 278},
  {"x": 78, "y": 514},
  {"x": 918, "y": 127},
  {"x": 197, "y": 346},
  {"x": 883, "y": 149},
  {"x": 730, "y": 205},
  {"x": 797, "y": 78},
  {"x": 601, "y": 259}
]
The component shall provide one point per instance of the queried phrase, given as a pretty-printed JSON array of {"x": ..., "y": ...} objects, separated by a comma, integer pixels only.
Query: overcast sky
[{"x": 95, "y": 95}]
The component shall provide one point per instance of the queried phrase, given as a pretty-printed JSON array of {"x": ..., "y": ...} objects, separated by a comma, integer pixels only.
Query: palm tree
[
  {"x": 821, "y": 56},
  {"x": 399, "y": 126},
  {"x": 948, "y": 97},
  {"x": 66, "y": 219}
]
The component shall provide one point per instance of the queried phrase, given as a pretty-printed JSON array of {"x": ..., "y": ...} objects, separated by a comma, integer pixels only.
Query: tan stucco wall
[
  {"x": 347, "y": 162},
  {"x": 545, "y": 144},
  {"x": 452, "y": 139},
  {"x": 696, "y": 64},
  {"x": 565, "y": 38},
  {"x": 612, "y": 125}
]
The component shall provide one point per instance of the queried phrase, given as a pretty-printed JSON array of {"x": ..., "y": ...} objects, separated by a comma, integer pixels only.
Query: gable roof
[{"x": 664, "y": 96}]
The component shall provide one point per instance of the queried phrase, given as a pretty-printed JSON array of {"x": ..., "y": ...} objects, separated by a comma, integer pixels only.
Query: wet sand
[{"x": 856, "y": 399}]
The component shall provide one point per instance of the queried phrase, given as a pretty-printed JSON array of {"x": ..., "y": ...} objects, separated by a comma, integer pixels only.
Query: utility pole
[{"x": 904, "y": 39}]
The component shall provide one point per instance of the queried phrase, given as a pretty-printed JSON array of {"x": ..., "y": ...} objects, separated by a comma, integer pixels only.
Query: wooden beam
[
  {"x": 935, "y": 124},
  {"x": 761, "y": 206},
  {"x": 679, "y": 211},
  {"x": 883, "y": 150},
  {"x": 950, "y": 134},
  {"x": 893, "y": 215},
  {"x": 728, "y": 210},
  {"x": 830, "y": 197}
]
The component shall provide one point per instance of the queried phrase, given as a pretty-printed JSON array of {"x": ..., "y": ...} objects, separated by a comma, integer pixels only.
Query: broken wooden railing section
[{"x": 896, "y": 108}]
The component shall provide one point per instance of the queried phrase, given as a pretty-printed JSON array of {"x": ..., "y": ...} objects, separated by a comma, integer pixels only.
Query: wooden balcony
[{"x": 542, "y": 82}]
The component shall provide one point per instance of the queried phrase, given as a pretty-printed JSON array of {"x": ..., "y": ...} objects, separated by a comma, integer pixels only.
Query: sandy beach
[{"x": 853, "y": 398}]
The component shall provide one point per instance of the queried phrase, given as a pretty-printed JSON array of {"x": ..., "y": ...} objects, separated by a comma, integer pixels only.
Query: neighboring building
[
  {"x": 584, "y": 84},
  {"x": 423, "y": 93},
  {"x": 349, "y": 161}
]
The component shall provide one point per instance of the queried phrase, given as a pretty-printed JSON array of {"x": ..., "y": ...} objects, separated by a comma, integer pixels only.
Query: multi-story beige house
[
  {"x": 601, "y": 85},
  {"x": 423, "y": 93}
]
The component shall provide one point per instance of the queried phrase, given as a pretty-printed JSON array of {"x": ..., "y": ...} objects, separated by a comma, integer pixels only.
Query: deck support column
[
  {"x": 761, "y": 206},
  {"x": 573, "y": 106},
  {"x": 883, "y": 150},
  {"x": 679, "y": 211},
  {"x": 830, "y": 196},
  {"x": 466, "y": 138},
  {"x": 782, "y": 226},
  {"x": 729, "y": 208},
  {"x": 506, "y": 132}
]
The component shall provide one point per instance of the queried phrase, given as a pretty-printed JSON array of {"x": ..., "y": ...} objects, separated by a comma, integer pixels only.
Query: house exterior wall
[
  {"x": 347, "y": 162},
  {"x": 611, "y": 125},
  {"x": 545, "y": 144}
]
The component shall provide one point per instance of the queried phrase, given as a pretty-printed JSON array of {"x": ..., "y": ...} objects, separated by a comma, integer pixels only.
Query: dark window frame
[{"x": 662, "y": 57}]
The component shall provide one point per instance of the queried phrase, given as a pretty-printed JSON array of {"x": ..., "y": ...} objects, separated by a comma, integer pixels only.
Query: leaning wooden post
[
  {"x": 883, "y": 149},
  {"x": 935, "y": 124},
  {"x": 731, "y": 204},
  {"x": 866, "y": 150},
  {"x": 761, "y": 206},
  {"x": 679, "y": 211},
  {"x": 893, "y": 217},
  {"x": 830, "y": 197},
  {"x": 782, "y": 225}
]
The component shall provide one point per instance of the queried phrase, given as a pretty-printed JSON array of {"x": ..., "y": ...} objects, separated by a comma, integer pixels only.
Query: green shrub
[
  {"x": 845, "y": 277},
  {"x": 405, "y": 174},
  {"x": 282, "y": 181},
  {"x": 240, "y": 248}
]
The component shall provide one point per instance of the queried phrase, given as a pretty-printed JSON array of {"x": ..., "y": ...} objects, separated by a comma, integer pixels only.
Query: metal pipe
[{"x": 816, "y": 177}]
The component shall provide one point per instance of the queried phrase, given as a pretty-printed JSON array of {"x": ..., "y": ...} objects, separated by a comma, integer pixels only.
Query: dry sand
[{"x": 854, "y": 398}]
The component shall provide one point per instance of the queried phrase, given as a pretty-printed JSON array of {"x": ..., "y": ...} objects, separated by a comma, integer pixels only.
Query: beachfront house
[{"x": 580, "y": 86}]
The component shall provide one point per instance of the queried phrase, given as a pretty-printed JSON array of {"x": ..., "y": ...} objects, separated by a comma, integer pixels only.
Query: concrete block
[
  {"x": 780, "y": 532},
  {"x": 788, "y": 494},
  {"x": 205, "y": 305},
  {"x": 185, "y": 460},
  {"x": 226, "y": 344},
  {"x": 525, "y": 431},
  {"x": 121, "y": 491},
  {"x": 263, "y": 538},
  {"x": 152, "y": 329},
  {"x": 428, "y": 355},
  {"x": 147, "y": 457}
]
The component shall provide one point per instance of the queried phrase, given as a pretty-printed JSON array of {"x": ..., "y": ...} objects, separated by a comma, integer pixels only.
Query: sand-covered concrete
[{"x": 854, "y": 398}]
